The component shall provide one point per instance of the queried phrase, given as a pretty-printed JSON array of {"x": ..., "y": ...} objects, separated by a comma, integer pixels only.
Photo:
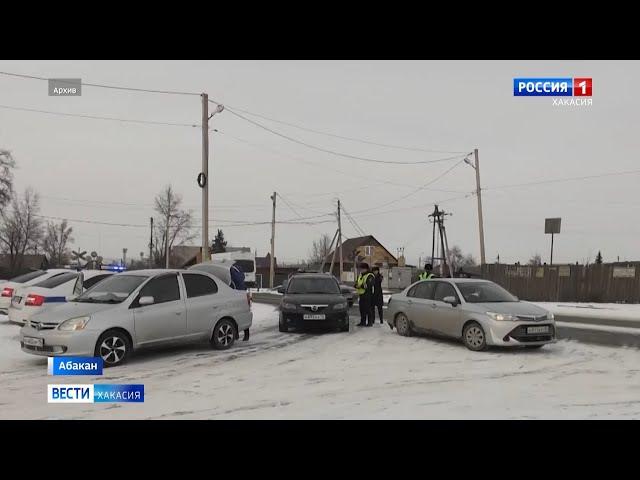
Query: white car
[
  {"x": 31, "y": 299},
  {"x": 9, "y": 286}
]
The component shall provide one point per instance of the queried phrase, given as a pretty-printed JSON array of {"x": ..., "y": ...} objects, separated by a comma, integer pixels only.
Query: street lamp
[{"x": 476, "y": 166}]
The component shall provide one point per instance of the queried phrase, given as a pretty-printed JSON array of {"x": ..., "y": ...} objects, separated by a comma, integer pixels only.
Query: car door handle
[
  {"x": 433, "y": 305},
  {"x": 409, "y": 301},
  {"x": 178, "y": 313}
]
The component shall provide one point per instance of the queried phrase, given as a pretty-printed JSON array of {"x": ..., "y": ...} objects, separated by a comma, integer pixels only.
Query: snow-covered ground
[
  {"x": 614, "y": 311},
  {"x": 367, "y": 373}
]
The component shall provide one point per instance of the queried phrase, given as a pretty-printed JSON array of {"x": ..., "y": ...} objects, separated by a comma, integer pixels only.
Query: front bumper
[
  {"x": 505, "y": 333},
  {"x": 57, "y": 343},
  {"x": 332, "y": 319},
  {"x": 22, "y": 315}
]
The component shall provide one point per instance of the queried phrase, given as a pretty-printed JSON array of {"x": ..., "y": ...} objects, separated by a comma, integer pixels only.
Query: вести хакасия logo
[{"x": 573, "y": 87}]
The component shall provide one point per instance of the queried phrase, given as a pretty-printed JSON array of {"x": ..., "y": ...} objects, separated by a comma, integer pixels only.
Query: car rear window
[
  {"x": 57, "y": 280},
  {"x": 312, "y": 285},
  {"x": 26, "y": 277},
  {"x": 199, "y": 285}
]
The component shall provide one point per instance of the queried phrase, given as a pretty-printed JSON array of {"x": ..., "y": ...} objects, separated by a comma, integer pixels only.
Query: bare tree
[
  {"x": 20, "y": 228},
  {"x": 460, "y": 260},
  {"x": 6, "y": 177},
  {"x": 320, "y": 249},
  {"x": 55, "y": 243},
  {"x": 535, "y": 260},
  {"x": 173, "y": 225}
]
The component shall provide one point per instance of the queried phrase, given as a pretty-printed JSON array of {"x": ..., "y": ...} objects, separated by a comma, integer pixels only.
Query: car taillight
[
  {"x": 7, "y": 292},
  {"x": 34, "y": 300}
]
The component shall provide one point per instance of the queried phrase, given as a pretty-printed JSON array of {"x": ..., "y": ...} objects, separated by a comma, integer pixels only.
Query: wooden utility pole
[
  {"x": 273, "y": 242},
  {"x": 340, "y": 240},
  {"x": 204, "y": 180},
  {"x": 151, "y": 243},
  {"x": 479, "y": 195}
]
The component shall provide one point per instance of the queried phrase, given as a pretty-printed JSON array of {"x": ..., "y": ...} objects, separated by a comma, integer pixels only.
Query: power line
[
  {"x": 340, "y": 154},
  {"x": 566, "y": 179},
  {"x": 325, "y": 168},
  {"x": 95, "y": 117},
  {"x": 99, "y": 85},
  {"x": 351, "y": 139}
]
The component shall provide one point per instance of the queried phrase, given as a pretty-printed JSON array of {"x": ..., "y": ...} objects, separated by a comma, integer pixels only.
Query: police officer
[
  {"x": 364, "y": 289},
  {"x": 428, "y": 272},
  {"x": 378, "y": 299}
]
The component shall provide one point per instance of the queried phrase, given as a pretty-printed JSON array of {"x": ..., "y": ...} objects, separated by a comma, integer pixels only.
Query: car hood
[
  {"x": 313, "y": 298},
  {"x": 515, "y": 308},
  {"x": 60, "y": 313}
]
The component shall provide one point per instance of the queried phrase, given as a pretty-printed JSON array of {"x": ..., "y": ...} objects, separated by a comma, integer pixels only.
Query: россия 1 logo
[{"x": 556, "y": 87}]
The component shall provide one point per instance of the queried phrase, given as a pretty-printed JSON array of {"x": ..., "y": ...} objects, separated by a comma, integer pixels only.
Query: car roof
[
  {"x": 459, "y": 280},
  {"x": 314, "y": 274}
]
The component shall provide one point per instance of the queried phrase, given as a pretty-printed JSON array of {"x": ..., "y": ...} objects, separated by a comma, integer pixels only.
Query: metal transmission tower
[{"x": 437, "y": 218}]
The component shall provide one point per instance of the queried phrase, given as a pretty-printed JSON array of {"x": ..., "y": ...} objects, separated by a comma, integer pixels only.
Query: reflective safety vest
[
  {"x": 361, "y": 283},
  {"x": 425, "y": 276}
]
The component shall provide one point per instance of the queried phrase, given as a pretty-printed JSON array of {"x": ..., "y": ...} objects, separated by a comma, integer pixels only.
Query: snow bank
[{"x": 617, "y": 311}]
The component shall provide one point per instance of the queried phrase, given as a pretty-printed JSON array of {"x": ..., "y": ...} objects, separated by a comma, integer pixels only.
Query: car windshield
[
  {"x": 28, "y": 276},
  {"x": 313, "y": 285},
  {"x": 484, "y": 292},
  {"x": 57, "y": 280},
  {"x": 114, "y": 289}
]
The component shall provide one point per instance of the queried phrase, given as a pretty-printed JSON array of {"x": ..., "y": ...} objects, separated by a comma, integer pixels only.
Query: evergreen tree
[
  {"x": 219, "y": 244},
  {"x": 599, "y": 257}
]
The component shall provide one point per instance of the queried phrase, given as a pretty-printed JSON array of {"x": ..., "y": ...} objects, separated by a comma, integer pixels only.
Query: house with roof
[{"x": 361, "y": 249}]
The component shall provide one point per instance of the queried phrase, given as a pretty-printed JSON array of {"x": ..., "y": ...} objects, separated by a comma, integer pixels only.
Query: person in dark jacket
[
  {"x": 364, "y": 289},
  {"x": 378, "y": 299},
  {"x": 237, "y": 277}
]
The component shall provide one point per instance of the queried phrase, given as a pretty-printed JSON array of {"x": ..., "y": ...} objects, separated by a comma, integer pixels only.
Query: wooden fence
[{"x": 611, "y": 282}]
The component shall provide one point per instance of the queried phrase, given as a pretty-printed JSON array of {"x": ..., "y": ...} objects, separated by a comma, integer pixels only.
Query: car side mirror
[
  {"x": 146, "y": 301},
  {"x": 451, "y": 300}
]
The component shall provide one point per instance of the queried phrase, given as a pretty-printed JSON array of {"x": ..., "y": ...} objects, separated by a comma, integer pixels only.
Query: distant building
[
  {"x": 183, "y": 256},
  {"x": 361, "y": 249}
]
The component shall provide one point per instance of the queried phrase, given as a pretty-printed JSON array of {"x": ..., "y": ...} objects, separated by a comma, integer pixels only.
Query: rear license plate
[
  {"x": 15, "y": 301},
  {"x": 34, "y": 342},
  {"x": 544, "y": 329},
  {"x": 313, "y": 317}
]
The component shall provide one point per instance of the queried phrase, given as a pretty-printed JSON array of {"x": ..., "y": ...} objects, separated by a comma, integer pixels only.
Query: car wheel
[
  {"x": 402, "y": 325},
  {"x": 474, "y": 337},
  {"x": 533, "y": 347},
  {"x": 113, "y": 347},
  {"x": 345, "y": 325},
  {"x": 282, "y": 325},
  {"x": 224, "y": 334}
]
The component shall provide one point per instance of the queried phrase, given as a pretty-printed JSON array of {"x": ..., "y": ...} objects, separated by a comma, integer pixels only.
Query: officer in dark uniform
[
  {"x": 378, "y": 299},
  {"x": 364, "y": 289}
]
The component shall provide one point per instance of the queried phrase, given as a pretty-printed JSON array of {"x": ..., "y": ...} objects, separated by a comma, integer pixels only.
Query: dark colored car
[{"x": 313, "y": 299}]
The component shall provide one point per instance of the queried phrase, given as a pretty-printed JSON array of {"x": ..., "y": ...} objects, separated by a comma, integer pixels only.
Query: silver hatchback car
[
  {"x": 138, "y": 309},
  {"x": 479, "y": 312}
]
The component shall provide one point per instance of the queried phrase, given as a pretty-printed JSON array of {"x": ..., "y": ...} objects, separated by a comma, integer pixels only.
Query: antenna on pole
[{"x": 437, "y": 218}]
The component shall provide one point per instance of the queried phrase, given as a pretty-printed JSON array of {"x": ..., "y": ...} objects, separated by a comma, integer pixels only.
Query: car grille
[
  {"x": 318, "y": 308},
  {"x": 520, "y": 334},
  {"x": 44, "y": 348},
  {"x": 42, "y": 325},
  {"x": 532, "y": 318}
]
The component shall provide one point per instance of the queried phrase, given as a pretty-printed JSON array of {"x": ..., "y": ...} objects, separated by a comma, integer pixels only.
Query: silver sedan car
[
  {"x": 138, "y": 309},
  {"x": 479, "y": 312}
]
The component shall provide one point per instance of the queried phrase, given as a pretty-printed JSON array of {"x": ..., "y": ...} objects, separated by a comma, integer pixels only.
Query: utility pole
[
  {"x": 204, "y": 180},
  {"x": 166, "y": 244},
  {"x": 479, "y": 195},
  {"x": 273, "y": 241},
  {"x": 151, "y": 242},
  {"x": 340, "y": 238}
]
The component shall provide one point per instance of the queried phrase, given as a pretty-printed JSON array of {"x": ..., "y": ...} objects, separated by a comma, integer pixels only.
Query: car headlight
[
  {"x": 550, "y": 316},
  {"x": 503, "y": 317},
  {"x": 288, "y": 306},
  {"x": 340, "y": 306},
  {"x": 73, "y": 324}
]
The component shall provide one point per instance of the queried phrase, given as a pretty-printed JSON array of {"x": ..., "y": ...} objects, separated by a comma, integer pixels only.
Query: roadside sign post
[{"x": 552, "y": 226}]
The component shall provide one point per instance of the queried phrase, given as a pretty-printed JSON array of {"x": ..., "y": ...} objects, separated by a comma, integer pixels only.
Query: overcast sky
[{"x": 82, "y": 166}]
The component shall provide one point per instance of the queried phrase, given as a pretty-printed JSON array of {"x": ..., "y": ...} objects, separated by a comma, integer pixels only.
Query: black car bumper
[{"x": 331, "y": 320}]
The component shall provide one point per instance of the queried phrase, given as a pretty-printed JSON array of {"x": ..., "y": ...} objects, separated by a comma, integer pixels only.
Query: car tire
[
  {"x": 345, "y": 326},
  {"x": 474, "y": 337},
  {"x": 224, "y": 334},
  {"x": 533, "y": 347},
  {"x": 282, "y": 326},
  {"x": 403, "y": 327},
  {"x": 113, "y": 346}
]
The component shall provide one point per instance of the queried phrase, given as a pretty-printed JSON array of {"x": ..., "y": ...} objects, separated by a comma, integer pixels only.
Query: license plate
[
  {"x": 15, "y": 300},
  {"x": 313, "y": 317},
  {"x": 34, "y": 342},
  {"x": 544, "y": 329}
]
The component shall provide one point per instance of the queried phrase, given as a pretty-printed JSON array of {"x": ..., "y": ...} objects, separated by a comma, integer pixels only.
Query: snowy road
[{"x": 369, "y": 373}]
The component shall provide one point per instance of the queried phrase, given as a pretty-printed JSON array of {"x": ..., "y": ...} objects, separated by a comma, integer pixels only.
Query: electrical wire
[
  {"x": 351, "y": 139},
  {"x": 340, "y": 154},
  {"x": 99, "y": 85},
  {"x": 566, "y": 179},
  {"x": 96, "y": 117}
]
